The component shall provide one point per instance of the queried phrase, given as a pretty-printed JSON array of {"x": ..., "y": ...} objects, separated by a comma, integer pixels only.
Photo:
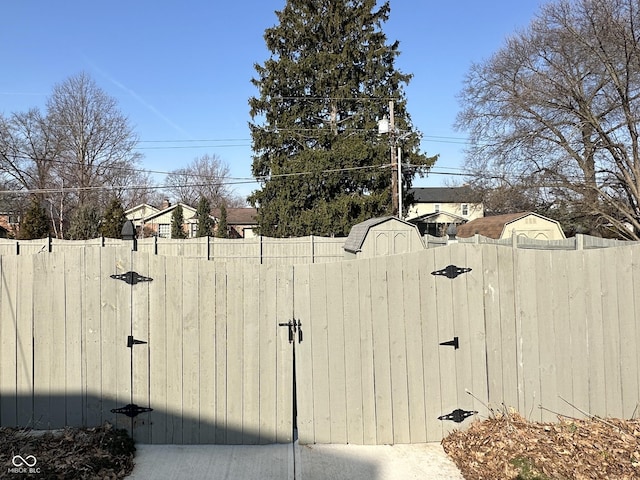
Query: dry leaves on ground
[
  {"x": 73, "y": 453},
  {"x": 510, "y": 447}
]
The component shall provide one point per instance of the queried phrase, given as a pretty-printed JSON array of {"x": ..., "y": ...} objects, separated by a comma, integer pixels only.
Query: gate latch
[{"x": 293, "y": 325}]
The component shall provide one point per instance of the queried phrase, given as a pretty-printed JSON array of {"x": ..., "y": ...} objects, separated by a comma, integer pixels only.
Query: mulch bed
[
  {"x": 508, "y": 446},
  {"x": 73, "y": 453}
]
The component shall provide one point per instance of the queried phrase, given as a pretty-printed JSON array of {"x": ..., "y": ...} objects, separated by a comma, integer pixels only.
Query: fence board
[
  {"x": 562, "y": 336},
  {"x": 628, "y": 326},
  {"x": 284, "y": 355},
  {"x": 235, "y": 353},
  {"x": 207, "y": 306},
  {"x": 414, "y": 347},
  {"x": 546, "y": 328},
  {"x": 9, "y": 350},
  {"x": 92, "y": 335},
  {"x": 336, "y": 352},
  {"x": 268, "y": 354},
  {"x": 174, "y": 342},
  {"x": 251, "y": 359},
  {"x": 158, "y": 357},
  {"x": 190, "y": 351},
  {"x": 74, "y": 266}
]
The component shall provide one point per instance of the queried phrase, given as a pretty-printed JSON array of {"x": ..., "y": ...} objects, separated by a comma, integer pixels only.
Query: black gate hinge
[
  {"x": 293, "y": 325},
  {"x": 457, "y": 415},
  {"x": 131, "y": 410},
  {"x": 132, "y": 278},
  {"x": 132, "y": 341},
  {"x": 451, "y": 271},
  {"x": 452, "y": 343}
]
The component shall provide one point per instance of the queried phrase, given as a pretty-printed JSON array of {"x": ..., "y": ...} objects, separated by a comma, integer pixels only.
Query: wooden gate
[{"x": 390, "y": 348}]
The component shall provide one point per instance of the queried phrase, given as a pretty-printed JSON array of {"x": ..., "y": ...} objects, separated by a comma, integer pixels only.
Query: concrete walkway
[{"x": 293, "y": 462}]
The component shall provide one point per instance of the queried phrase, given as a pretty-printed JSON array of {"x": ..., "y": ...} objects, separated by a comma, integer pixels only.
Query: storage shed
[
  {"x": 382, "y": 236},
  {"x": 525, "y": 224}
]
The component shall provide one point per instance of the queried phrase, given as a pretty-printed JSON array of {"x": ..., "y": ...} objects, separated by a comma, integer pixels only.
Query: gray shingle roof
[
  {"x": 359, "y": 231},
  {"x": 462, "y": 194}
]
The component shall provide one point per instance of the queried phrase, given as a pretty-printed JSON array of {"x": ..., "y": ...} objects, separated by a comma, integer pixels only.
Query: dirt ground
[
  {"x": 72, "y": 453},
  {"x": 510, "y": 447}
]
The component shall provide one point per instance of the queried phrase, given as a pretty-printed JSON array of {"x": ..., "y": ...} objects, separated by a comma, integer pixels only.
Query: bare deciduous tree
[
  {"x": 205, "y": 177},
  {"x": 96, "y": 143},
  {"x": 557, "y": 109}
]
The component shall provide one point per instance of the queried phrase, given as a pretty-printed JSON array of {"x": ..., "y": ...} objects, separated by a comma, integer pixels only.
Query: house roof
[
  {"x": 239, "y": 216},
  {"x": 186, "y": 208},
  {"x": 444, "y": 195},
  {"x": 437, "y": 217},
  {"x": 359, "y": 231},
  {"x": 492, "y": 226}
]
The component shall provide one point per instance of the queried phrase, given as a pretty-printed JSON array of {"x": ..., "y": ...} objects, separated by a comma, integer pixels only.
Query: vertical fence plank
[
  {"x": 398, "y": 350},
  {"x": 628, "y": 332},
  {"x": 174, "y": 349},
  {"x": 509, "y": 327},
  {"x": 611, "y": 333},
  {"x": 381, "y": 358},
  {"x": 493, "y": 342},
  {"x": 446, "y": 331},
  {"x": 207, "y": 306},
  {"x": 221, "y": 353},
  {"x": 593, "y": 290},
  {"x": 190, "y": 351},
  {"x": 235, "y": 353},
  {"x": 284, "y": 355},
  {"x": 9, "y": 350},
  {"x": 73, "y": 333},
  {"x": 353, "y": 358},
  {"x": 414, "y": 348},
  {"x": 268, "y": 353},
  {"x": 158, "y": 357},
  {"x": 305, "y": 392},
  {"x": 251, "y": 360},
  {"x": 528, "y": 341},
  {"x": 367, "y": 367},
  {"x": 561, "y": 316},
  {"x": 578, "y": 296},
  {"x": 430, "y": 348},
  {"x": 141, "y": 360},
  {"x": 336, "y": 353},
  {"x": 92, "y": 279}
]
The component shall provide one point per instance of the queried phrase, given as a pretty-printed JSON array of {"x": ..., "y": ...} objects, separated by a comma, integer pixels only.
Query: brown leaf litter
[
  {"x": 507, "y": 446},
  {"x": 72, "y": 453}
]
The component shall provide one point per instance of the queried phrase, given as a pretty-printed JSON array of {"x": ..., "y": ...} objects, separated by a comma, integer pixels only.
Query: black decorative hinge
[
  {"x": 457, "y": 415},
  {"x": 451, "y": 271},
  {"x": 452, "y": 343},
  {"x": 132, "y": 341},
  {"x": 131, "y": 410},
  {"x": 132, "y": 278},
  {"x": 293, "y": 325}
]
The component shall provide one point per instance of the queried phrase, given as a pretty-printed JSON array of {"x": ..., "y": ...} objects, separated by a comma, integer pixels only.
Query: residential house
[
  {"x": 241, "y": 222},
  {"x": 9, "y": 225},
  {"x": 526, "y": 224},
  {"x": 151, "y": 221},
  {"x": 435, "y": 208}
]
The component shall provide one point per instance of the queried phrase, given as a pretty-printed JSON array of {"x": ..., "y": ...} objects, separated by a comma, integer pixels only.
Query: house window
[
  {"x": 465, "y": 209},
  {"x": 437, "y": 207},
  {"x": 164, "y": 230},
  {"x": 14, "y": 220}
]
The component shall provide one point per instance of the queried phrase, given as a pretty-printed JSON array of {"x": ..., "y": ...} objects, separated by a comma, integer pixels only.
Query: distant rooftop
[{"x": 464, "y": 194}]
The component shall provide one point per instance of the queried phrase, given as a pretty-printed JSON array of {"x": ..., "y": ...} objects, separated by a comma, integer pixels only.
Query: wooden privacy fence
[
  {"x": 256, "y": 250},
  {"x": 392, "y": 349}
]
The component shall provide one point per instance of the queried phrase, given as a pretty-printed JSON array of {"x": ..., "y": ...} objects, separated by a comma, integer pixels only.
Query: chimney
[{"x": 165, "y": 204}]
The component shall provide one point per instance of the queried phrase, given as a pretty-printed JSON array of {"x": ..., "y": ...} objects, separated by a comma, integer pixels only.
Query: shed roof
[
  {"x": 359, "y": 231},
  {"x": 492, "y": 226}
]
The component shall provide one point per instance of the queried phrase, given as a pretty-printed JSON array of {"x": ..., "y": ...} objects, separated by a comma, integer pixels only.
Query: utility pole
[{"x": 395, "y": 185}]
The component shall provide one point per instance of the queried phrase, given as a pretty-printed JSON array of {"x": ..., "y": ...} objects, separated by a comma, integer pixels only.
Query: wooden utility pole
[{"x": 395, "y": 198}]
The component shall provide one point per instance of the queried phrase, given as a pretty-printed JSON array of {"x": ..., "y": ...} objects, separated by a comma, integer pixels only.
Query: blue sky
[{"x": 181, "y": 71}]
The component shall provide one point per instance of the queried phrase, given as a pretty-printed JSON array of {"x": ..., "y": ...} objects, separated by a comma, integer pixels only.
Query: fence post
[
  {"x": 129, "y": 233},
  {"x": 579, "y": 241}
]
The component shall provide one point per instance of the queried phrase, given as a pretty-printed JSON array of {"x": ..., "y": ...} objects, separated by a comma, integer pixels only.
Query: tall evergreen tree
[
  {"x": 222, "y": 231},
  {"x": 113, "y": 220},
  {"x": 205, "y": 223},
  {"x": 177, "y": 222},
  {"x": 85, "y": 223},
  {"x": 35, "y": 223},
  {"x": 318, "y": 155}
]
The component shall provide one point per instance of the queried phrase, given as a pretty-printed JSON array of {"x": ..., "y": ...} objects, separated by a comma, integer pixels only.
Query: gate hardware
[
  {"x": 452, "y": 343},
  {"x": 131, "y": 410},
  {"x": 457, "y": 415},
  {"x": 132, "y": 278},
  {"x": 451, "y": 271},
  {"x": 294, "y": 325},
  {"x": 132, "y": 341}
]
